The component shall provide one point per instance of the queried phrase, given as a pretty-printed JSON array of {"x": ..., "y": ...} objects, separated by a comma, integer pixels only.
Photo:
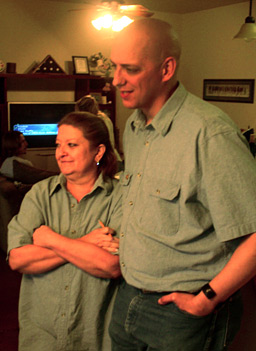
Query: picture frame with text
[{"x": 81, "y": 65}]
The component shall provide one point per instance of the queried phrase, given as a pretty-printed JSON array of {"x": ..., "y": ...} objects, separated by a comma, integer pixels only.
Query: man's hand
[
  {"x": 102, "y": 237},
  {"x": 197, "y": 305}
]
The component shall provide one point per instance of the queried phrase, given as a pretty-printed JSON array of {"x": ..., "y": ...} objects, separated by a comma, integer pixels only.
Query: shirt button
[
  {"x": 72, "y": 205},
  {"x": 127, "y": 176},
  {"x": 157, "y": 191},
  {"x": 66, "y": 287},
  {"x": 122, "y": 235},
  {"x": 139, "y": 175},
  {"x": 147, "y": 143},
  {"x": 122, "y": 264},
  {"x": 63, "y": 314},
  {"x": 130, "y": 203},
  {"x": 73, "y": 232}
]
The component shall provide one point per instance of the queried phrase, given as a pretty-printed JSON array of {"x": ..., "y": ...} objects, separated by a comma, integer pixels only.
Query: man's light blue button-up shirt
[{"x": 189, "y": 195}]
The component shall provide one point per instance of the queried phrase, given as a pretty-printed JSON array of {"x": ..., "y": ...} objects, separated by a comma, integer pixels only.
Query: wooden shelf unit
[{"x": 84, "y": 84}]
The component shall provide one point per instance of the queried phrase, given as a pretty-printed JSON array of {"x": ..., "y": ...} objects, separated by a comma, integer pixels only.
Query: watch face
[{"x": 2, "y": 66}]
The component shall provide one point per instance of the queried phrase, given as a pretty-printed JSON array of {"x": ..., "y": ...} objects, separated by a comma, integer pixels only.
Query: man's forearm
[
  {"x": 239, "y": 270},
  {"x": 33, "y": 259},
  {"x": 87, "y": 256}
]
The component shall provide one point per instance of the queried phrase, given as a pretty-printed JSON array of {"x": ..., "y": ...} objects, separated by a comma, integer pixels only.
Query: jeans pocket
[
  {"x": 235, "y": 311},
  {"x": 225, "y": 324},
  {"x": 184, "y": 331},
  {"x": 187, "y": 314}
]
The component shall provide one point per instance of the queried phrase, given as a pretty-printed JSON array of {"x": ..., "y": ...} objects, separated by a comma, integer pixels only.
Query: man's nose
[{"x": 118, "y": 79}]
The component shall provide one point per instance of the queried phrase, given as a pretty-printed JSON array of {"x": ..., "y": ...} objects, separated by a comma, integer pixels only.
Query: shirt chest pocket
[
  {"x": 161, "y": 210},
  {"x": 164, "y": 191}
]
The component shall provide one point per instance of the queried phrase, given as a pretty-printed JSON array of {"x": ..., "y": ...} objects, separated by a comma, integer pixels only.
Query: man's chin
[{"x": 129, "y": 104}]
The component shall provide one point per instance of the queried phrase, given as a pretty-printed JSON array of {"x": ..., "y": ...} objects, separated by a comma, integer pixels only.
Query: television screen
[
  {"x": 37, "y": 129},
  {"x": 38, "y": 120}
]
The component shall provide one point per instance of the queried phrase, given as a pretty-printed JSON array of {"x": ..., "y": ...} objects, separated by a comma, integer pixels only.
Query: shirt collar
[
  {"x": 164, "y": 118},
  {"x": 60, "y": 182}
]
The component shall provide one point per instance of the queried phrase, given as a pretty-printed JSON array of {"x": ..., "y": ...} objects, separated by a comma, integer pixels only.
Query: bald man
[{"x": 188, "y": 239}]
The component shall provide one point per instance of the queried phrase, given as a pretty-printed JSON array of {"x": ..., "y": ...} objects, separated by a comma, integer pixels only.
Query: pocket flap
[{"x": 165, "y": 190}]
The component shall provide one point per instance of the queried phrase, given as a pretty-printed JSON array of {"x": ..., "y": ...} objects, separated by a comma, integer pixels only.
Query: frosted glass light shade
[{"x": 247, "y": 32}]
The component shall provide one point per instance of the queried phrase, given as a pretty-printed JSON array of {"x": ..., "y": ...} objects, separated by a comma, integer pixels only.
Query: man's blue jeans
[{"x": 139, "y": 323}]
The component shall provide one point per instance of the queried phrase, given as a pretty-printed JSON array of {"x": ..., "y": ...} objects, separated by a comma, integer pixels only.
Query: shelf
[
  {"x": 51, "y": 76},
  {"x": 84, "y": 84}
]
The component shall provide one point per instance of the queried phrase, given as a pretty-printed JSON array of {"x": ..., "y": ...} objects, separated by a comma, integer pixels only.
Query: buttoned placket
[
  {"x": 74, "y": 217},
  {"x": 62, "y": 340},
  {"x": 136, "y": 181},
  {"x": 64, "y": 312}
]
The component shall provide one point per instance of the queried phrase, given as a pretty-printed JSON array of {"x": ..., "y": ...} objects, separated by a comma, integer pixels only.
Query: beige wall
[
  {"x": 211, "y": 53},
  {"x": 35, "y": 28}
]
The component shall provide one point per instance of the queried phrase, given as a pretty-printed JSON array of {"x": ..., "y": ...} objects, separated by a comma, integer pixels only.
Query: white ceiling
[{"x": 174, "y": 6}]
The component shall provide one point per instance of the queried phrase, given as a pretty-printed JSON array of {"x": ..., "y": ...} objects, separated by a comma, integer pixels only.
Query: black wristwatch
[{"x": 208, "y": 291}]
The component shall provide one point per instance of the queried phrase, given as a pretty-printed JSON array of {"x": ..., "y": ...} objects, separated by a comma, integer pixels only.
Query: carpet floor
[{"x": 9, "y": 295}]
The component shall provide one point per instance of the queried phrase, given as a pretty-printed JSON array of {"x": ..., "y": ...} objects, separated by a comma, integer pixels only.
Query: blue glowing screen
[{"x": 36, "y": 129}]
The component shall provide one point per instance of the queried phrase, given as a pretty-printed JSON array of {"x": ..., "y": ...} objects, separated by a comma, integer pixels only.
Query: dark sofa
[
  {"x": 12, "y": 192},
  {"x": 11, "y": 196}
]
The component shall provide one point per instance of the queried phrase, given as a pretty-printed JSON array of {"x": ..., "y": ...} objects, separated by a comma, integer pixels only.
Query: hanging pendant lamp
[{"x": 248, "y": 29}]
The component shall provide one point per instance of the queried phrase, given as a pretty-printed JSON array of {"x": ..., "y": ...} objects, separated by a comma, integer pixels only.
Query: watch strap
[{"x": 208, "y": 291}]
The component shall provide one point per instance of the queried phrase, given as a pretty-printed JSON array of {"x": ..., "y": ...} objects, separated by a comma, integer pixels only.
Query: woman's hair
[
  {"x": 96, "y": 132},
  {"x": 10, "y": 144},
  {"x": 87, "y": 104}
]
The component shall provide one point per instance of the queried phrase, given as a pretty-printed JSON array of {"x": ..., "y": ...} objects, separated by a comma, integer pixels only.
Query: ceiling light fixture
[
  {"x": 248, "y": 29},
  {"x": 115, "y": 22},
  {"x": 115, "y": 15},
  {"x": 112, "y": 17}
]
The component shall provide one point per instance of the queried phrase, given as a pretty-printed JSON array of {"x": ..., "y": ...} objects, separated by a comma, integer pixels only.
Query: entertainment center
[{"x": 12, "y": 110}]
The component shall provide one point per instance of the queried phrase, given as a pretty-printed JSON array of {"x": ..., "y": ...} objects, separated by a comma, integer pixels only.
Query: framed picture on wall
[
  {"x": 81, "y": 65},
  {"x": 229, "y": 90}
]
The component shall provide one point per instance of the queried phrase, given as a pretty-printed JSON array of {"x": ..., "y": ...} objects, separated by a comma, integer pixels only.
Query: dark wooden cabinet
[{"x": 82, "y": 85}]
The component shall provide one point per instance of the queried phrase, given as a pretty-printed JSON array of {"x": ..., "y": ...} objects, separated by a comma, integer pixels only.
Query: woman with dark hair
[
  {"x": 96, "y": 133},
  {"x": 14, "y": 146},
  {"x": 63, "y": 241}
]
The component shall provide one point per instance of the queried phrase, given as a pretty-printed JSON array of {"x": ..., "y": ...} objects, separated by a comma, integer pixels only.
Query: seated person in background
[
  {"x": 88, "y": 103},
  {"x": 14, "y": 146},
  {"x": 67, "y": 258}
]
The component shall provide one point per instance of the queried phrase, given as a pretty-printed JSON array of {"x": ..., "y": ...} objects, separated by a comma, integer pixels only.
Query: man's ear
[
  {"x": 101, "y": 151},
  {"x": 169, "y": 67}
]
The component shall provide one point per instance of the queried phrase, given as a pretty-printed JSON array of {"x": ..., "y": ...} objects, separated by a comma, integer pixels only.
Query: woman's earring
[{"x": 97, "y": 163}]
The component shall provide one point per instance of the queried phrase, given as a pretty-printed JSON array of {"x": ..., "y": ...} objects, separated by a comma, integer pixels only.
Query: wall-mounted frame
[
  {"x": 229, "y": 90},
  {"x": 81, "y": 65}
]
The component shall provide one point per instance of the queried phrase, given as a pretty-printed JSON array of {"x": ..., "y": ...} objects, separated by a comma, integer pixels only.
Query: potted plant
[{"x": 100, "y": 64}]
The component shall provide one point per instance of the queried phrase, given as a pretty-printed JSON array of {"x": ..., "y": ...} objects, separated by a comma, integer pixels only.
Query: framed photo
[
  {"x": 229, "y": 90},
  {"x": 81, "y": 65},
  {"x": 97, "y": 97}
]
